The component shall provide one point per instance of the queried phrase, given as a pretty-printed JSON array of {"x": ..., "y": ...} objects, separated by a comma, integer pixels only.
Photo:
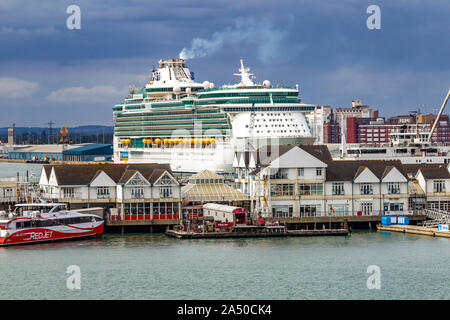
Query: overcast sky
[{"x": 74, "y": 77}]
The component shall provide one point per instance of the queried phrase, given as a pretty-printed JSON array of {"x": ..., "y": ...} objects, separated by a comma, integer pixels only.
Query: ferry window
[
  {"x": 45, "y": 223},
  {"x": 26, "y": 224}
]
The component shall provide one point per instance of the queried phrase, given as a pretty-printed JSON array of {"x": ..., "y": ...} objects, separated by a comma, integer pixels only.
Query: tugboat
[{"x": 47, "y": 222}]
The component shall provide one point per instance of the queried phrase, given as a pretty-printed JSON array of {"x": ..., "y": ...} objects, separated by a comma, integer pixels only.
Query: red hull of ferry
[{"x": 39, "y": 235}]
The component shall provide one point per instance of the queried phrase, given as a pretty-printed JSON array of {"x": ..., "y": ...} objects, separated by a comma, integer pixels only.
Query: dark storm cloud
[{"x": 322, "y": 45}]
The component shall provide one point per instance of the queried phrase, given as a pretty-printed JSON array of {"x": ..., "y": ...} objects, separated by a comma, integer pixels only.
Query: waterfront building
[
  {"x": 378, "y": 132},
  {"x": 370, "y": 187},
  {"x": 195, "y": 126},
  {"x": 15, "y": 190},
  {"x": 317, "y": 120},
  {"x": 129, "y": 192},
  {"x": 247, "y": 164},
  {"x": 327, "y": 123},
  {"x": 89, "y": 152},
  {"x": 60, "y": 152},
  {"x": 304, "y": 181},
  {"x": 434, "y": 182},
  {"x": 9, "y": 190},
  {"x": 207, "y": 186}
]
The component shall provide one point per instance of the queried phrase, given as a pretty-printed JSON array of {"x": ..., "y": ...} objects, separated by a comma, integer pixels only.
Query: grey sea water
[
  {"x": 144, "y": 266},
  {"x": 10, "y": 169}
]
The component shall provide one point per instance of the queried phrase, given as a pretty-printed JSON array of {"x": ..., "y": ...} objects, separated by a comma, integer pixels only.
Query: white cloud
[
  {"x": 83, "y": 94},
  {"x": 16, "y": 88}
]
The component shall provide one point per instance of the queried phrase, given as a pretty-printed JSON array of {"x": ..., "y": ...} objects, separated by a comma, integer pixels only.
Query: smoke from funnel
[{"x": 269, "y": 41}]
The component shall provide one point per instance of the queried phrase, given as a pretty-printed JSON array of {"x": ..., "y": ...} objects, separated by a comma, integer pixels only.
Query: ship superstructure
[
  {"x": 195, "y": 126},
  {"x": 409, "y": 145}
]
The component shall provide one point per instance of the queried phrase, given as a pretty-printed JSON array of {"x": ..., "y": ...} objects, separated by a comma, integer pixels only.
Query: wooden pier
[
  {"x": 261, "y": 232},
  {"x": 414, "y": 230}
]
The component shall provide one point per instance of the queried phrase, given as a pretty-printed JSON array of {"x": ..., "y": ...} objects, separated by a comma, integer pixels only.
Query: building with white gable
[
  {"x": 139, "y": 192},
  {"x": 304, "y": 181},
  {"x": 434, "y": 182}
]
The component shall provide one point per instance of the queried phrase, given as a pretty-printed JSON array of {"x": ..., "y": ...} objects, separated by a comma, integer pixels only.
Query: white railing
[{"x": 437, "y": 216}]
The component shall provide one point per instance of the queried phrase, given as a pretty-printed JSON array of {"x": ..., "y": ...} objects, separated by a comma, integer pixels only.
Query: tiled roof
[
  {"x": 347, "y": 170},
  {"x": 320, "y": 152},
  {"x": 84, "y": 174},
  {"x": 269, "y": 153},
  {"x": 429, "y": 171},
  {"x": 48, "y": 170},
  {"x": 435, "y": 172}
]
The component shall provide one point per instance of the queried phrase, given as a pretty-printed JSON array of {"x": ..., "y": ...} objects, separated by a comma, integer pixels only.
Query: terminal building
[{"x": 56, "y": 152}]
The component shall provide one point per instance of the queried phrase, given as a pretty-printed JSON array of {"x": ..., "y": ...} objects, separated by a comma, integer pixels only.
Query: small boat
[{"x": 47, "y": 222}]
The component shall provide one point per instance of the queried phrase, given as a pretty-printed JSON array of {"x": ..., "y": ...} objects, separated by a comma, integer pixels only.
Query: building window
[
  {"x": 395, "y": 206},
  {"x": 137, "y": 192},
  {"x": 340, "y": 210},
  {"x": 68, "y": 192},
  {"x": 310, "y": 189},
  {"x": 102, "y": 192},
  {"x": 366, "y": 208},
  {"x": 8, "y": 192},
  {"x": 319, "y": 172},
  {"x": 366, "y": 188},
  {"x": 282, "y": 211},
  {"x": 438, "y": 186},
  {"x": 280, "y": 174},
  {"x": 301, "y": 172},
  {"x": 310, "y": 210},
  {"x": 282, "y": 190},
  {"x": 393, "y": 188},
  {"x": 165, "y": 192},
  {"x": 337, "y": 188}
]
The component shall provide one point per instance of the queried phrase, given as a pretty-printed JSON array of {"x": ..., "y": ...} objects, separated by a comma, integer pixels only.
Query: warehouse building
[{"x": 56, "y": 152}]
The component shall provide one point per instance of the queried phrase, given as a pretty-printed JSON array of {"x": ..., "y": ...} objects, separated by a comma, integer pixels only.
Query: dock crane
[{"x": 438, "y": 116}]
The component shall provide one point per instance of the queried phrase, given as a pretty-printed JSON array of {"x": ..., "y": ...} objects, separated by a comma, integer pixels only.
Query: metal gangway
[{"x": 437, "y": 217}]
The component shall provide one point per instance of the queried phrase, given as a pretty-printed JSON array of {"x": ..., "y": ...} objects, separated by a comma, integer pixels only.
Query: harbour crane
[{"x": 438, "y": 116}]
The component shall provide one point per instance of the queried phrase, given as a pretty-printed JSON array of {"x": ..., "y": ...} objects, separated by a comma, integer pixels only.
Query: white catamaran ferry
[
  {"x": 195, "y": 126},
  {"x": 47, "y": 222}
]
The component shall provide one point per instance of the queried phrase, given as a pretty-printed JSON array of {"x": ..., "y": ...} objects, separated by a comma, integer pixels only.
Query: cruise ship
[{"x": 195, "y": 126}]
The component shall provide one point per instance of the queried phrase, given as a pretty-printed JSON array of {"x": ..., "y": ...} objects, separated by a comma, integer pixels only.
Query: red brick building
[{"x": 376, "y": 132}]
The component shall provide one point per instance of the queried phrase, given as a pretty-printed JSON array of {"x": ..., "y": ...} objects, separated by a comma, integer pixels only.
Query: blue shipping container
[
  {"x": 385, "y": 221},
  {"x": 403, "y": 220}
]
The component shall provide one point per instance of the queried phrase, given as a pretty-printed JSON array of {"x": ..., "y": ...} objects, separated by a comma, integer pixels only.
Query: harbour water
[
  {"x": 153, "y": 266},
  {"x": 10, "y": 169}
]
